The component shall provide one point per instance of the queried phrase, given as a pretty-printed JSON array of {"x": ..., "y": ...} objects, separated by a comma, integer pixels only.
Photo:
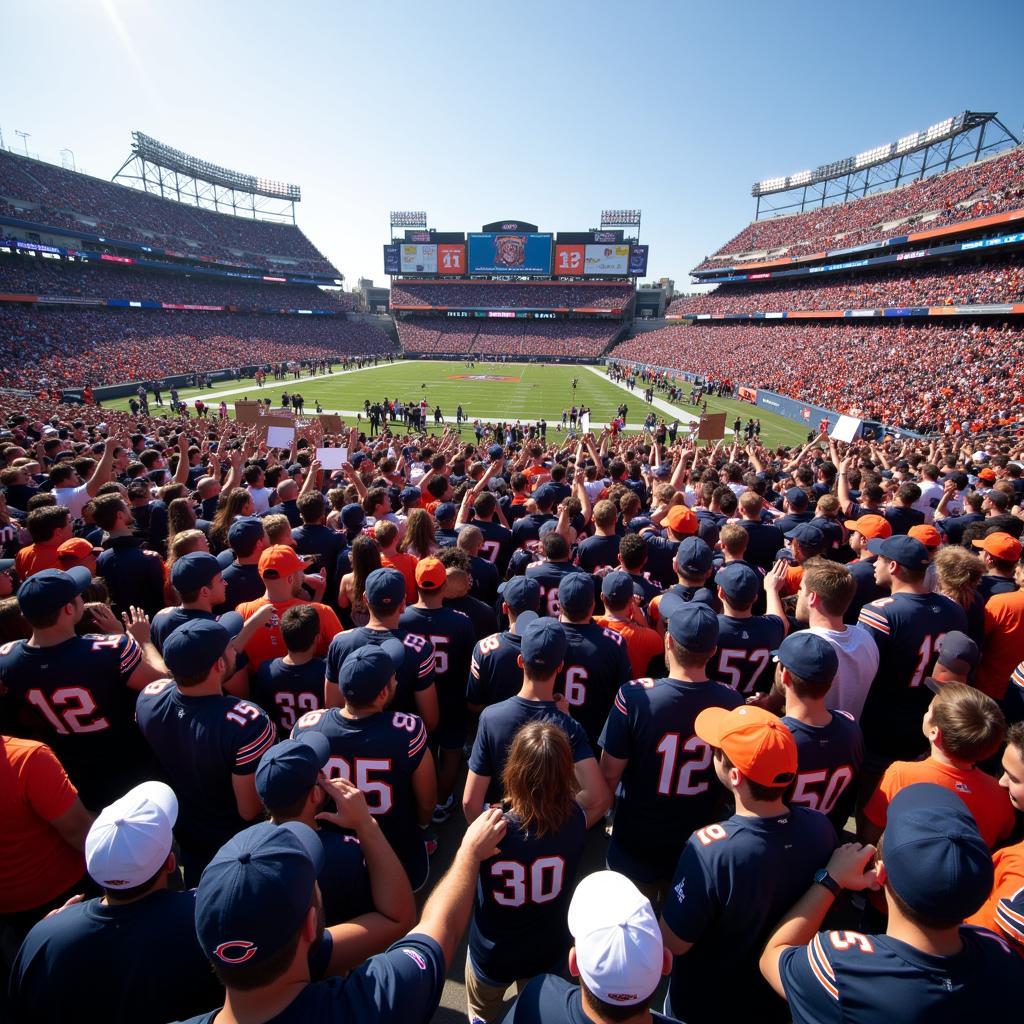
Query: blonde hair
[{"x": 958, "y": 573}]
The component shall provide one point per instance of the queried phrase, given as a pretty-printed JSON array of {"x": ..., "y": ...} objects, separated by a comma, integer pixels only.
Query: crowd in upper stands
[
  {"x": 924, "y": 378},
  {"x": 944, "y": 284},
  {"x": 496, "y": 295},
  {"x": 106, "y": 281},
  {"x": 72, "y": 348},
  {"x": 43, "y": 193},
  {"x": 976, "y": 190}
]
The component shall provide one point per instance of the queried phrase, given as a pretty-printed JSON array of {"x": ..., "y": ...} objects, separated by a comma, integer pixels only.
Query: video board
[
  {"x": 451, "y": 259},
  {"x": 510, "y": 252},
  {"x": 592, "y": 260},
  {"x": 418, "y": 259}
]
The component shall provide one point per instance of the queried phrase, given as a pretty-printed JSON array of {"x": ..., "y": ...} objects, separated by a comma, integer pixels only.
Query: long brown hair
[
  {"x": 365, "y": 557},
  {"x": 957, "y": 573},
  {"x": 420, "y": 538},
  {"x": 539, "y": 779},
  {"x": 228, "y": 509}
]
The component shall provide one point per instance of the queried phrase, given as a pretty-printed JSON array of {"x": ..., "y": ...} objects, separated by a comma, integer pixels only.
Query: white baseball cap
[
  {"x": 131, "y": 838},
  {"x": 619, "y": 949}
]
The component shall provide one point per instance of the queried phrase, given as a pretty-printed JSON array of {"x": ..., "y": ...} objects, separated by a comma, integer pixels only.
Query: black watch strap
[{"x": 822, "y": 877}]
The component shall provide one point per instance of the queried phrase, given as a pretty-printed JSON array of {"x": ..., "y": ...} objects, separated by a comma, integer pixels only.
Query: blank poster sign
[
  {"x": 331, "y": 423},
  {"x": 247, "y": 412},
  {"x": 585, "y": 423},
  {"x": 280, "y": 437},
  {"x": 847, "y": 428},
  {"x": 332, "y": 458},
  {"x": 711, "y": 427}
]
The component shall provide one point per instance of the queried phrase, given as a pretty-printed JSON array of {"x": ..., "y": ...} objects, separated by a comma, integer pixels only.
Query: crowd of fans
[
  {"x": 923, "y": 378},
  {"x": 71, "y": 348},
  {"x": 110, "y": 281},
  {"x": 512, "y": 338},
  {"x": 44, "y": 193},
  {"x": 942, "y": 284},
  {"x": 991, "y": 186},
  {"x": 506, "y": 295}
]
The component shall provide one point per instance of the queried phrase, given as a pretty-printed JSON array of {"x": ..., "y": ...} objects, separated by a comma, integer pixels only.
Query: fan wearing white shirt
[{"x": 67, "y": 484}]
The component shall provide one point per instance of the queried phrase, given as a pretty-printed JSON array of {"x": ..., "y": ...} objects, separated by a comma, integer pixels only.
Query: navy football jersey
[
  {"x": 907, "y": 629},
  {"x": 415, "y": 675},
  {"x": 828, "y": 760},
  {"x": 497, "y": 546},
  {"x": 548, "y": 576},
  {"x": 596, "y": 664},
  {"x": 286, "y": 692},
  {"x": 201, "y": 742},
  {"x": 526, "y": 530},
  {"x": 74, "y": 696},
  {"x": 522, "y": 897},
  {"x": 344, "y": 880},
  {"x": 743, "y": 658},
  {"x": 863, "y": 573},
  {"x": 494, "y": 670},
  {"x": 735, "y": 881},
  {"x": 660, "y": 554},
  {"x": 379, "y": 754},
  {"x": 498, "y": 725},
  {"x": 874, "y": 979},
  {"x": 597, "y": 551},
  {"x": 549, "y": 999},
  {"x": 668, "y": 788},
  {"x": 453, "y": 638},
  {"x": 167, "y": 620},
  {"x": 242, "y": 583}
]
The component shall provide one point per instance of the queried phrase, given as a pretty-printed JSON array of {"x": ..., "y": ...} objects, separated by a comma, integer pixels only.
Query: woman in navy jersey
[{"x": 519, "y": 919}]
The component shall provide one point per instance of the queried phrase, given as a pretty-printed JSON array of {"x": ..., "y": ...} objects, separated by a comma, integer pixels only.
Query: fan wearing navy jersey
[
  {"x": 286, "y": 688},
  {"x": 907, "y": 627},
  {"x": 242, "y": 581},
  {"x": 208, "y": 743},
  {"x": 451, "y": 635},
  {"x": 601, "y": 550},
  {"x": 494, "y": 670},
  {"x": 497, "y": 546},
  {"x": 736, "y": 878},
  {"x": 928, "y": 967},
  {"x": 650, "y": 748},
  {"x": 526, "y": 529},
  {"x": 829, "y": 744},
  {"x": 383, "y": 751},
  {"x": 745, "y": 640},
  {"x": 542, "y": 651},
  {"x": 764, "y": 539},
  {"x": 633, "y": 560},
  {"x": 549, "y": 573},
  {"x": 681, "y": 524},
  {"x": 518, "y": 928},
  {"x": 415, "y": 692},
  {"x": 693, "y": 564},
  {"x": 867, "y": 528},
  {"x": 77, "y": 693},
  {"x": 596, "y": 660}
]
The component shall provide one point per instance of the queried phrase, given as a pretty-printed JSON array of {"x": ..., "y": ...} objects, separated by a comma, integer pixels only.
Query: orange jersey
[
  {"x": 1003, "y": 650},
  {"x": 1009, "y": 866},
  {"x": 268, "y": 643},
  {"x": 643, "y": 644},
  {"x": 794, "y": 577},
  {"x": 536, "y": 475},
  {"x": 37, "y": 557},
  {"x": 985, "y": 798},
  {"x": 406, "y": 565}
]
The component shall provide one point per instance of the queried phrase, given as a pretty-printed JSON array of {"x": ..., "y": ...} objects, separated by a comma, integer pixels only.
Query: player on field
[
  {"x": 650, "y": 748},
  {"x": 382, "y": 751}
]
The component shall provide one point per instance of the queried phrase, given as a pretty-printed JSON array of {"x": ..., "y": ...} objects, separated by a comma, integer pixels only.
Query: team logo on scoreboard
[
  {"x": 510, "y": 250},
  {"x": 484, "y": 376}
]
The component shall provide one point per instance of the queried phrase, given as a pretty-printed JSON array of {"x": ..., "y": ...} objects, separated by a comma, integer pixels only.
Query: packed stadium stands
[
  {"x": 498, "y": 295},
  {"x": 43, "y": 193},
  {"x": 991, "y": 281},
  {"x": 976, "y": 190},
  {"x": 514, "y": 338}
]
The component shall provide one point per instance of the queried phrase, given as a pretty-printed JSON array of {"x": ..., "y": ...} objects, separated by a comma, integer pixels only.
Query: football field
[{"x": 491, "y": 392}]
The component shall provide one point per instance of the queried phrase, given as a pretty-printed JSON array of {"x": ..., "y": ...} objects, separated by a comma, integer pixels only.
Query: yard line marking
[{"x": 658, "y": 403}]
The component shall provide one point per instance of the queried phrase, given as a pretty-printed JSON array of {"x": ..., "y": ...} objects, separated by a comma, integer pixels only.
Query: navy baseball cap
[
  {"x": 256, "y": 892},
  {"x": 367, "y": 670},
  {"x": 739, "y": 582},
  {"x": 957, "y": 652},
  {"x": 194, "y": 647},
  {"x": 358, "y": 459},
  {"x": 695, "y": 626},
  {"x": 902, "y": 550},
  {"x": 545, "y": 495},
  {"x": 521, "y": 594},
  {"x": 445, "y": 511},
  {"x": 495, "y": 452},
  {"x": 245, "y": 533},
  {"x": 576, "y": 593},
  {"x": 289, "y": 770},
  {"x": 6, "y": 563},
  {"x": 809, "y": 656},
  {"x": 693, "y": 557},
  {"x": 797, "y": 498},
  {"x": 811, "y": 537},
  {"x": 544, "y": 644},
  {"x": 194, "y": 571},
  {"x": 385, "y": 589},
  {"x": 662, "y": 472},
  {"x": 409, "y": 495},
  {"x": 353, "y": 517},
  {"x": 45, "y": 593},
  {"x": 617, "y": 588},
  {"x": 934, "y": 856},
  {"x": 638, "y": 523},
  {"x": 551, "y": 526}
]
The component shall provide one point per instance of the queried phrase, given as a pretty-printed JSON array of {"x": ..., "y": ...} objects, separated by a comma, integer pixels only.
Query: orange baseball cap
[
  {"x": 682, "y": 520},
  {"x": 926, "y": 534},
  {"x": 75, "y": 549},
  {"x": 987, "y": 474},
  {"x": 753, "y": 739},
  {"x": 999, "y": 545},
  {"x": 430, "y": 574},
  {"x": 870, "y": 527},
  {"x": 280, "y": 560}
]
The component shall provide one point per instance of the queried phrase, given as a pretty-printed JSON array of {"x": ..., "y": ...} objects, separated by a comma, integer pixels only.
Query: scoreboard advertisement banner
[
  {"x": 392, "y": 259},
  {"x": 606, "y": 259},
  {"x": 451, "y": 259},
  {"x": 419, "y": 259},
  {"x": 638, "y": 260},
  {"x": 570, "y": 260},
  {"x": 510, "y": 252}
]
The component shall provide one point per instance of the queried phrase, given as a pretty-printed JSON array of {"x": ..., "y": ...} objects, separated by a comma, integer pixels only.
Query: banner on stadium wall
[
  {"x": 392, "y": 259},
  {"x": 510, "y": 252},
  {"x": 606, "y": 259},
  {"x": 638, "y": 260},
  {"x": 747, "y": 395}
]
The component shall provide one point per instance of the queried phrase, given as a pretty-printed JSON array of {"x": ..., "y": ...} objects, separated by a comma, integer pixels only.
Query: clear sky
[{"x": 475, "y": 111}]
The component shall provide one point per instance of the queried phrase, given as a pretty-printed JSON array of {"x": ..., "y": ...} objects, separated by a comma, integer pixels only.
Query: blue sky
[{"x": 478, "y": 111}]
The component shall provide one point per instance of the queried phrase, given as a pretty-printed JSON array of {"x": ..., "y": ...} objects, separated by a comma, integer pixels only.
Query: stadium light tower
[
  {"x": 621, "y": 219},
  {"x": 409, "y": 219},
  {"x": 25, "y": 136}
]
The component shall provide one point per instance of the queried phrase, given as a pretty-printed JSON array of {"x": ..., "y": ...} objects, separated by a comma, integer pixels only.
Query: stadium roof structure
[
  {"x": 162, "y": 170},
  {"x": 958, "y": 140}
]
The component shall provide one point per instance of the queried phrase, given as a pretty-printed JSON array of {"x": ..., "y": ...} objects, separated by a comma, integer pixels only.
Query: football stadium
[{"x": 525, "y": 639}]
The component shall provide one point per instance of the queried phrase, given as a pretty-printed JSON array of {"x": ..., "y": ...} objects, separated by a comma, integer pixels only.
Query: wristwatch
[{"x": 822, "y": 877}]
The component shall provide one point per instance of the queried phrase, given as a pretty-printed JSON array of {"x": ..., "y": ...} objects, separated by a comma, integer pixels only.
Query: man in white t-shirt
[
  {"x": 931, "y": 491},
  {"x": 826, "y": 590},
  {"x": 255, "y": 485},
  {"x": 67, "y": 484}
]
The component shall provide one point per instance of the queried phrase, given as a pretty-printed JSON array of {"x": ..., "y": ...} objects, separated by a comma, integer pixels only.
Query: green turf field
[{"x": 487, "y": 391}]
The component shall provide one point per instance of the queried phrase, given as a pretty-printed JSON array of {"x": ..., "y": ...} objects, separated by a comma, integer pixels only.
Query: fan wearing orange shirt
[
  {"x": 1000, "y": 913},
  {"x": 385, "y": 533},
  {"x": 537, "y": 473},
  {"x": 1003, "y": 649},
  {"x": 963, "y": 726},
  {"x": 644, "y": 645},
  {"x": 282, "y": 572}
]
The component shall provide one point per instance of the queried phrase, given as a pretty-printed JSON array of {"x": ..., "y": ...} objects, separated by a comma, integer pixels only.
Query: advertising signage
[
  {"x": 638, "y": 260},
  {"x": 510, "y": 252},
  {"x": 392, "y": 259}
]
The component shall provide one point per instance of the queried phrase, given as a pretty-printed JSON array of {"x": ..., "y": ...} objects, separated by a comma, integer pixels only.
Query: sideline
[{"x": 658, "y": 403}]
